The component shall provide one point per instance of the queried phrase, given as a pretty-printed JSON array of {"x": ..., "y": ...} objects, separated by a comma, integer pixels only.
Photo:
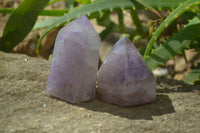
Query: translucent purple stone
[
  {"x": 124, "y": 78},
  {"x": 74, "y": 64}
]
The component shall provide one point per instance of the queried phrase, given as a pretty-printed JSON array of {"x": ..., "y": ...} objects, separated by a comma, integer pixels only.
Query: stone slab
[{"x": 26, "y": 107}]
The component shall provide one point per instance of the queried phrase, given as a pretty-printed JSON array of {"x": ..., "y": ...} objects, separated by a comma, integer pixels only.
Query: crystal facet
[
  {"x": 74, "y": 64},
  {"x": 124, "y": 78}
]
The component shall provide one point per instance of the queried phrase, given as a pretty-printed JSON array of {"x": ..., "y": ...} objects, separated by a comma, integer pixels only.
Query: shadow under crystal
[{"x": 162, "y": 105}]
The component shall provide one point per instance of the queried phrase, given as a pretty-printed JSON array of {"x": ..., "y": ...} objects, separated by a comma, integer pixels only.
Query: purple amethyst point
[
  {"x": 74, "y": 64},
  {"x": 124, "y": 78}
]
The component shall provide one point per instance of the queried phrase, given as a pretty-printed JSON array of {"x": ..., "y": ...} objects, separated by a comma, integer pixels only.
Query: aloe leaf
[
  {"x": 87, "y": 9},
  {"x": 6, "y": 10},
  {"x": 164, "y": 4},
  {"x": 120, "y": 20},
  {"x": 45, "y": 12},
  {"x": 60, "y": 12},
  {"x": 172, "y": 16},
  {"x": 99, "y": 6},
  {"x": 158, "y": 4},
  {"x": 22, "y": 19},
  {"x": 43, "y": 23},
  {"x": 85, "y": 1},
  {"x": 175, "y": 44},
  {"x": 136, "y": 21},
  {"x": 79, "y": 1},
  {"x": 54, "y": 1},
  {"x": 70, "y": 4},
  {"x": 145, "y": 4},
  {"x": 192, "y": 77},
  {"x": 106, "y": 31},
  {"x": 195, "y": 45}
]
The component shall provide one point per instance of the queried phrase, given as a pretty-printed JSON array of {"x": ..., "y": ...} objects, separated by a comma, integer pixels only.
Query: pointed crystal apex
[
  {"x": 84, "y": 20},
  {"x": 74, "y": 64},
  {"x": 124, "y": 78}
]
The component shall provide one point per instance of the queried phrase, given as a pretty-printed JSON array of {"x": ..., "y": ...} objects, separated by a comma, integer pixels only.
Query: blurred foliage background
[{"x": 166, "y": 32}]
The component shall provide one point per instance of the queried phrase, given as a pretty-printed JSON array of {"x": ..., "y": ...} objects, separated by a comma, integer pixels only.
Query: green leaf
[
  {"x": 54, "y": 1},
  {"x": 164, "y": 4},
  {"x": 158, "y": 4},
  {"x": 107, "y": 31},
  {"x": 43, "y": 23},
  {"x": 174, "y": 45},
  {"x": 6, "y": 10},
  {"x": 45, "y": 12},
  {"x": 94, "y": 7},
  {"x": 147, "y": 5},
  {"x": 79, "y": 1},
  {"x": 193, "y": 77},
  {"x": 101, "y": 6},
  {"x": 121, "y": 20},
  {"x": 20, "y": 23},
  {"x": 70, "y": 4},
  {"x": 85, "y": 1},
  {"x": 60, "y": 12},
  {"x": 172, "y": 16},
  {"x": 136, "y": 21}
]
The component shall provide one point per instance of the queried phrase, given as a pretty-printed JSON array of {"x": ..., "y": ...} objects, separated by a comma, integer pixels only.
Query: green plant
[{"x": 157, "y": 51}]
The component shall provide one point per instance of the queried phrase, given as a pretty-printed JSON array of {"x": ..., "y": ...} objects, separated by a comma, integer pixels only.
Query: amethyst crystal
[
  {"x": 124, "y": 78},
  {"x": 75, "y": 62}
]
